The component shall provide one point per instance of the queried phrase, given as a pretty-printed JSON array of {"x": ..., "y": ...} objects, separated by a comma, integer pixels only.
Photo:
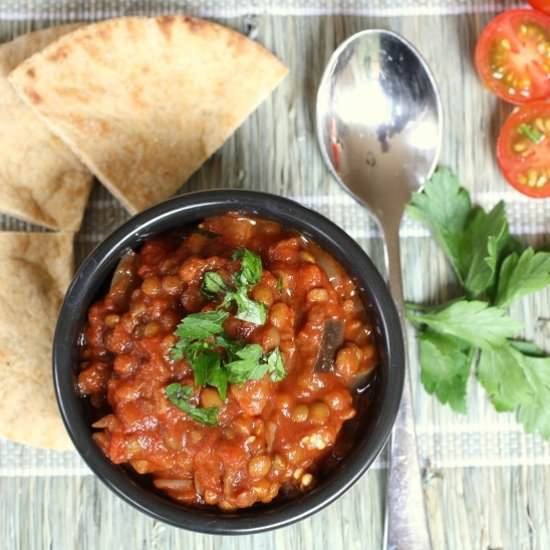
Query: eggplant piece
[
  {"x": 126, "y": 267},
  {"x": 125, "y": 279},
  {"x": 333, "y": 338}
]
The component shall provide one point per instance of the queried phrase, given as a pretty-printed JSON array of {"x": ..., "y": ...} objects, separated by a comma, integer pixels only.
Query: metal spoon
[{"x": 379, "y": 128}]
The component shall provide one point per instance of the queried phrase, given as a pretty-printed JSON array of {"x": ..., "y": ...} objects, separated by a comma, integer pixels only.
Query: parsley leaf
[
  {"x": 474, "y": 241},
  {"x": 521, "y": 275},
  {"x": 247, "y": 365},
  {"x": 194, "y": 331},
  {"x": 535, "y": 413},
  {"x": 527, "y": 348},
  {"x": 249, "y": 275},
  {"x": 199, "y": 326},
  {"x": 203, "y": 363},
  {"x": 444, "y": 207},
  {"x": 251, "y": 363},
  {"x": 218, "y": 378},
  {"x": 207, "y": 369},
  {"x": 213, "y": 283},
  {"x": 276, "y": 366},
  {"x": 475, "y": 322},
  {"x": 518, "y": 382},
  {"x": 445, "y": 368},
  {"x": 485, "y": 238},
  {"x": 231, "y": 346},
  {"x": 180, "y": 395},
  {"x": 247, "y": 309},
  {"x": 251, "y": 267},
  {"x": 500, "y": 371}
]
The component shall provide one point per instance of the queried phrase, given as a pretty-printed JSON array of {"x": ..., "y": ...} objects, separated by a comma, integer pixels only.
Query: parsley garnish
[
  {"x": 247, "y": 309},
  {"x": 251, "y": 267},
  {"x": 247, "y": 364},
  {"x": 180, "y": 395},
  {"x": 216, "y": 359},
  {"x": 250, "y": 363},
  {"x": 476, "y": 331},
  {"x": 249, "y": 274},
  {"x": 276, "y": 366},
  {"x": 213, "y": 284},
  {"x": 200, "y": 326}
]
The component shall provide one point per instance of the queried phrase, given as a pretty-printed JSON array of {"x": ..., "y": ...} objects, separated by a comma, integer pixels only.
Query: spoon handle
[{"x": 406, "y": 524}]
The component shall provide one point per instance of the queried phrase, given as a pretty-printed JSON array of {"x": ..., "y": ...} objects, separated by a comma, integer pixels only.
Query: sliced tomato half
[
  {"x": 523, "y": 149},
  {"x": 541, "y": 5},
  {"x": 513, "y": 56}
]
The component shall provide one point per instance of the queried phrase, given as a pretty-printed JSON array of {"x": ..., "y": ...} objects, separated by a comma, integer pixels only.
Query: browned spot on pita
[
  {"x": 238, "y": 43},
  {"x": 92, "y": 49},
  {"x": 33, "y": 95},
  {"x": 137, "y": 99},
  {"x": 60, "y": 53},
  {"x": 105, "y": 32},
  {"x": 133, "y": 31},
  {"x": 195, "y": 25},
  {"x": 90, "y": 126},
  {"x": 31, "y": 72},
  {"x": 165, "y": 24},
  {"x": 73, "y": 93}
]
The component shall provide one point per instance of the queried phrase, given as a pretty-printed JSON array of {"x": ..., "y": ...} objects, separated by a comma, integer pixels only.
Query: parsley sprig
[
  {"x": 216, "y": 359},
  {"x": 475, "y": 332},
  {"x": 249, "y": 274}
]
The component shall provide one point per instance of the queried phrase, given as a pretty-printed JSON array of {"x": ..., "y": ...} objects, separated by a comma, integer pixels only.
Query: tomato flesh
[
  {"x": 523, "y": 149},
  {"x": 513, "y": 56},
  {"x": 541, "y": 5}
]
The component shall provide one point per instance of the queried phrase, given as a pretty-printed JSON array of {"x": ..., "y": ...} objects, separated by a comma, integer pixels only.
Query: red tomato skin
[
  {"x": 541, "y": 5},
  {"x": 510, "y": 165},
  {"x": 483, "y": 45}
]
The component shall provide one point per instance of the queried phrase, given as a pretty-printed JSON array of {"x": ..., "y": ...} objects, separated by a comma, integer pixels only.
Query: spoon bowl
[{"x": 378, "y": 119}]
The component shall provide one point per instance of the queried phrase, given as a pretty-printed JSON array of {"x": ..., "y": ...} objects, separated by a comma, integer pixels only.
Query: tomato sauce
[{"x": 271, "y": 437}]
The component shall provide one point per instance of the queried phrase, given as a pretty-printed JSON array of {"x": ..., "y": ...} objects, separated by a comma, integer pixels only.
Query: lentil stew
[{"x": 223, "y": 362}]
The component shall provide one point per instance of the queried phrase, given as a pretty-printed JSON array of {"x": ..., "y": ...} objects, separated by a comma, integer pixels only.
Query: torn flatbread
[
  {"x": 35, "y": 270},
  {"x": 144, "y": 102},
  {"x": 41, "y": 180}
]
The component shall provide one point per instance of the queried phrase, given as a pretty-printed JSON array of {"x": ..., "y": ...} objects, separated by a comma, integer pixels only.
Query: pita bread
[
  {"x": 35, "y": 269},
  {"x": 144, "y": 102},
  {"x": 41, "y": 180}
]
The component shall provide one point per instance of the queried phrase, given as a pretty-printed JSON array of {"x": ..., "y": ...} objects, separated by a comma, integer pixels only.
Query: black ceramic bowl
[{"x": 371, "y": 430}]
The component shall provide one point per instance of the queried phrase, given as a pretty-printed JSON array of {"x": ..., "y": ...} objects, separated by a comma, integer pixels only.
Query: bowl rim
[{"x": 93, "y": 272}]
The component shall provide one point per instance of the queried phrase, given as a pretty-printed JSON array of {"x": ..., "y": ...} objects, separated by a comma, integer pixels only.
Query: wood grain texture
[{"x": 499, "y": 508}]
